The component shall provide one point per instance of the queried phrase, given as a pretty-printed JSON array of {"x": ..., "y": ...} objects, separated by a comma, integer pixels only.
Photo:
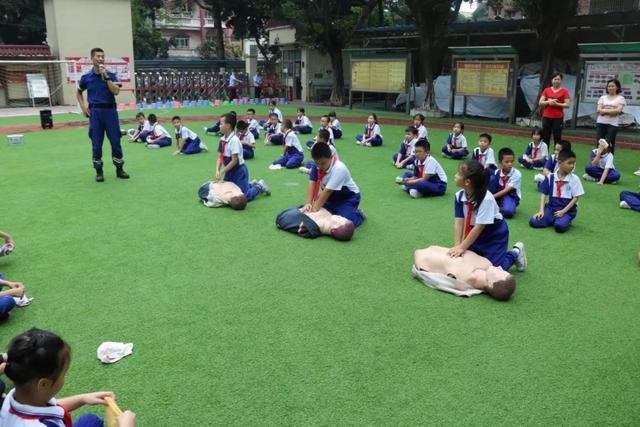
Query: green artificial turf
[{"x": 237, "y": 323}]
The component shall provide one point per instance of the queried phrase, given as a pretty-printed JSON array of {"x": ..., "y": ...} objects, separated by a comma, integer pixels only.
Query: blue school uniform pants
[
  {"x": 376, "y": 141},
  {"x": 162, "y": 142},
  {"x": 247, "y": 152},
  {"x": 493, "y": 243},
  {"x": 240, "y": 177},
  {"x": 277, "y": 139},
  {"x": 302, "y": 129},
  {"x": 337, "y": 134},
  {"x": 191, "y": 146},
  {"x": 428, "y": 188},
  {"x": 7, "y": 304},
  {"x": 597, "y": 171},
  {"x": 632, "y": 199},
  {"x": 101, "y": 121},
  {"x": 455, "y": 155},
  {"x": 255, "y": 133},
  {"x": 561, "y": 224},
  {"x": 143, "y": 136},
  {"x": 292, "y": 159},
  {"x": 215, "y": 128},
  {"x": 347, "y": 207},
  {"x": 534, "y": 164},
  {"x": 88, "y": 420}
]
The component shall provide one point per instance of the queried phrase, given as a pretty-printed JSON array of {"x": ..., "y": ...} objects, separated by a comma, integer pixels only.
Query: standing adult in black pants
[
  {"x": 554, "y": 100},
  {"x": 609, "y": 109}
]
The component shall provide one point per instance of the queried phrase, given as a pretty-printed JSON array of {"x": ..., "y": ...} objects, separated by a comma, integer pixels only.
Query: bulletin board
[{"x": 482, "y": 78}]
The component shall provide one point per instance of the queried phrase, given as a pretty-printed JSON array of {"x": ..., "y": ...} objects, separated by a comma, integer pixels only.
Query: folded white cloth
[
  {"x": 111, "y": 352},
  {"x": 275, "y": 167},
  {"x": 444, "y": 283}
]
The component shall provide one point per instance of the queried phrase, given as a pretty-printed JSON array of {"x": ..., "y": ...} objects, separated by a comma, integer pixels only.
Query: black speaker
[{"x": 46, "y": 119}]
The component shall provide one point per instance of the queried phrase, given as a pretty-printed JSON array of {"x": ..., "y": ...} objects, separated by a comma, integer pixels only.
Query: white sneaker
[
  {"x": 539, "y": 177},
  {"x": 205, "y": 129},
  {"x": 153, "y": 146},
  {"x": 637, "y": 173},
  {"x": 303, "y": 169},
  {"x": 275, "y": 167},
  {"x": 588, "y": 177},
  {"x": 204, "y": 147},
  {"x": 264, "y": 188},
  {"x": 359, "y": 142},
  {"x": 538, "y": 168},
  {"x": 410, "y": 167},
  {"x": 446, "y": 156},
  {"x": 602, "y": 143},
  {"x": 415, "y": 193},
  {"x": 403, "y": 187},
  {"x": 368, "y": 144},
  {"x": 399, "y": 179},
  {"x": 521, "y": 260},
  {"x": 624, "y": 205},
  {"x": 253, "y": 182}
]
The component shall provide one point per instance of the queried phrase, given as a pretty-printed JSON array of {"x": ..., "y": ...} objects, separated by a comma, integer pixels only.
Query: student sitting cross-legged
[{"x": 428, "y": 178}]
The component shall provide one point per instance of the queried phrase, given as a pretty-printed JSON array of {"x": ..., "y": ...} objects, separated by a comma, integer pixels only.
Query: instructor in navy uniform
[{"x": 101, "y": 87}]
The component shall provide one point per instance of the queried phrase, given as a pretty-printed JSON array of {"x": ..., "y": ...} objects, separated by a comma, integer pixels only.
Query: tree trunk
[
  {"x": 216, "y": 11},
  {"x": 337, "y": 91},
  {"x": 426, "y": 57},
  {"x": 545, "y": 72}
]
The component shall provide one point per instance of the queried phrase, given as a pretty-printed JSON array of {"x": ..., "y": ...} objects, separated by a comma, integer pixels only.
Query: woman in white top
[{"x": 609, "y": 109}]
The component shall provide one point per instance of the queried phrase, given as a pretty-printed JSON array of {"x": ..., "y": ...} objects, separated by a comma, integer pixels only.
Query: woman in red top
[{"x": 554, "y": 99}]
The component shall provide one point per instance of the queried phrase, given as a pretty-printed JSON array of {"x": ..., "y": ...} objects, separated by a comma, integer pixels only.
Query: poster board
[
  {"x": 482, "y": 78},
  {"x": 80, "y": 65},
  {"x": 598, "y": 72},
  {"x": 385, "y": 75},
  {"x": 37, "y": 86}
]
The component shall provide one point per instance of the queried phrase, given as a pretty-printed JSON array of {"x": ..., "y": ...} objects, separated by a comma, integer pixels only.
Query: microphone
[{"x": 101, "y": 67}]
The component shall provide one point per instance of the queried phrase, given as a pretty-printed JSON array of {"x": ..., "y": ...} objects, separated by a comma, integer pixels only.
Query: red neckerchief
[
  {"x": 321, "y": 175},
  {"x": 420, "y": 168},
  {"x": 369, "y": 130},
  {"x": 559, "y": 185},
  {"x": 504, "y": 179},
  {"x": 467, "y": 222},
  {"x": 223, "y": 144},
  {"x": 454, "y": 141},
  {"x": 480, "y": 157},
  {"x": 535, "y": 150}
]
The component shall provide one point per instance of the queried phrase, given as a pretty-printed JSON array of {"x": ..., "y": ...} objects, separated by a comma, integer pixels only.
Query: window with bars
[{"x": 181, "y": 42}]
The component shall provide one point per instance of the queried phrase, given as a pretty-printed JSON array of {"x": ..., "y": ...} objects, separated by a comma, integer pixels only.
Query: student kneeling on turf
[
  {"x": 37, "y": 363},
  {"x": 293, "y": 155},
  {"x": 505, "y": 183},
  {"x": 563, "y": 189},
  {"x": 230, "y": 165},
  {"x": 428, "y": 178},
  {"x": 331, "y": 187},
  {"x": 187, "y": 141}
]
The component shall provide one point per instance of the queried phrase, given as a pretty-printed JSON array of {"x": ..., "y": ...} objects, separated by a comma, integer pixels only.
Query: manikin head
[
  {"x": 501, "y": 284},
  {"x": 238, "y": 203}
]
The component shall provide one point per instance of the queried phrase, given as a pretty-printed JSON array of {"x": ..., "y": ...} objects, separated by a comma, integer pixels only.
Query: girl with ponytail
[{"x": 479, "y": 225}]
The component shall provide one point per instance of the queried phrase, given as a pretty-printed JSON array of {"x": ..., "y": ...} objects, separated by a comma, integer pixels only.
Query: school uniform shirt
[
  {"x": 484, "y": 158},
  {"x": 422, "y": 132},
  {"x": 278, "y": 113},
  {"x": 410, "y": 147},
  {"x": 291, "y": 141},
  {"x": 606, "y": 160},
  {"x": 274, "y": 129},
  {"x": 560, "y": 96},
  {"x": 571, "y": 186},
  {"x": 158, "y": 131},
  {"x": 233, "y": 146},
  {"x": 331, "y": 138},
  {"x": 145, "y": 127},
  {"x": 370, "y": 132},
  {"x": 338, "y": 179},
  {"x": 248, "y": 138},
  {"x": 304, "y": 121},
  {"x": 430, "y": 166},
  {"x": 336, "y": 124},
  {"x": 15, "y": 414},
  {"x": 253, "y": 124},
  {"x": 458, "y": 141},
  {"x": 185, "y": 133},
  {"x": 537, "y": 152},
  {"x": 513, "y": 179},
  {"x": 487, "y": 213}
]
